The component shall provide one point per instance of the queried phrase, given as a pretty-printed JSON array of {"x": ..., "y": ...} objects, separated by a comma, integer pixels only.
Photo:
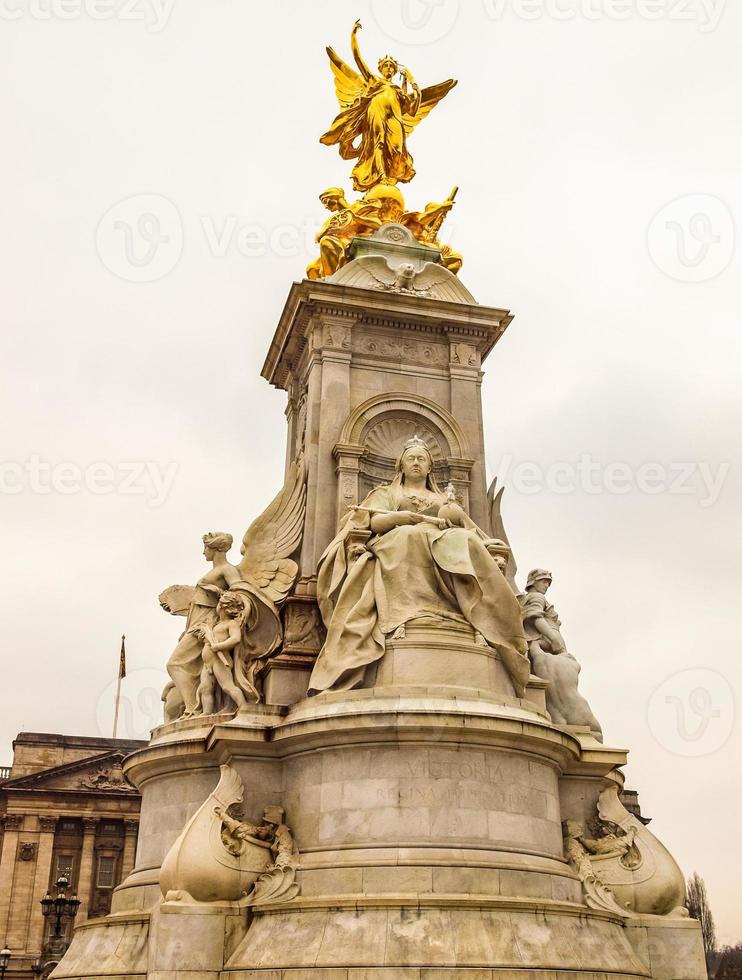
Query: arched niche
[{"x": 374, "y": 434}]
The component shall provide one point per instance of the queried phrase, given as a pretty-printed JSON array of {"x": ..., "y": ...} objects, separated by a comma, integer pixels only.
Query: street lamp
[
  {"x": 4, "y": 960},
  {"x": 61, "y": 907}
]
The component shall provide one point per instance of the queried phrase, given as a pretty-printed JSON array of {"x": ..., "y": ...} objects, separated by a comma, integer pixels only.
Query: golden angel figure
[
  {"x": 377, "y": 115},
  {"x": 246, "y": 595}
]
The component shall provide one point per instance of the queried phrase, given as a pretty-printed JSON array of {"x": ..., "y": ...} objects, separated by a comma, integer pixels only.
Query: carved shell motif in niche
[{"x": 388, "y": 436}]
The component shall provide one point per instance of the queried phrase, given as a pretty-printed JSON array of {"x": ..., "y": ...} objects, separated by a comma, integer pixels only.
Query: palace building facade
[{"x": 66, "y": 810}]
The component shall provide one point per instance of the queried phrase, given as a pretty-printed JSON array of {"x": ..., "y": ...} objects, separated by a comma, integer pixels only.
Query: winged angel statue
[
  {"x": 377, "y": 115},
  {"x": 232, "y": 612}
]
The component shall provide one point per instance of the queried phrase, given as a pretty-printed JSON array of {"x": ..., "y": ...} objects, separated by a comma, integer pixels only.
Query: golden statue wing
[
  {"x": 429, "y": 99},
  {"x": 349, "y": 85},
  {"x": 274, "y": 536}
]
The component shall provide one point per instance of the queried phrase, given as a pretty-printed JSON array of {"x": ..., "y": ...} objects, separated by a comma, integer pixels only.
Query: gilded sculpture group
[
  {"x": 407, "y": 553},
  {"x": 377, "y": 114}
]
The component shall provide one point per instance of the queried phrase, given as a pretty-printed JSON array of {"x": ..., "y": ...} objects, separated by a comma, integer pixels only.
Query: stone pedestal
[
  {"x": 442, "y": 655},
  {"x": 429, "y": 825},
  {"x": 286, "y": 679}
]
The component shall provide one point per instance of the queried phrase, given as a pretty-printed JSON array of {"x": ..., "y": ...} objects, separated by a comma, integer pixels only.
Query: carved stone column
[
  {"x": 466, "y": 407},
  {"x": 131, "y": 829},
  {"x": 85, "y": 879},
  {"x": 328, "y": 407},
  {"x": 47, "y": 828}
]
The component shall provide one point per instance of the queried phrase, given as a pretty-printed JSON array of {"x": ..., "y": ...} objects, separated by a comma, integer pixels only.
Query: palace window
[
  {"x": 106, "y": 871},
  {"x": 64, "y": 866}
]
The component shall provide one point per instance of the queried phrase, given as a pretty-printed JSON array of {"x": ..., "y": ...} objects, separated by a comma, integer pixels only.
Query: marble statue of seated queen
[{"x": 423, "y": 559}]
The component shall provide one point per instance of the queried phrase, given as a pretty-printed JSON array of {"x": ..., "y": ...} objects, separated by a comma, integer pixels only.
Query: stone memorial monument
[{"x": 374, "y": 760}]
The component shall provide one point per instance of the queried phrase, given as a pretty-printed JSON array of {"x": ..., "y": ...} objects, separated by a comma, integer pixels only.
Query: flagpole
[{"x": 121, "y": 675}]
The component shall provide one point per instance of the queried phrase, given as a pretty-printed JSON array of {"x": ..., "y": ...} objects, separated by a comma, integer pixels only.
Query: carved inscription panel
[{"x": 419, "y": 794}]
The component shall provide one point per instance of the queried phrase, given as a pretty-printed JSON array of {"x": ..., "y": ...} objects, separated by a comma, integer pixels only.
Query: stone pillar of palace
[
  {"x": 13, "y": 824},
  {"x": 131, "y": 828},
  {"x": 87, "y": 869},
  {"x": 42, "y": 880}
]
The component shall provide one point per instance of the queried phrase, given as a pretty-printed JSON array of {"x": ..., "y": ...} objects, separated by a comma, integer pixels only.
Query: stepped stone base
[{"x": 429, "y": 823}]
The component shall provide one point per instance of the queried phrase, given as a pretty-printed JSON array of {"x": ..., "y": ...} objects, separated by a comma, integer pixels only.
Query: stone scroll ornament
[
  {"x": 233, "y": 621},
  {"x": 624, "y": 868},
  {"x": 218, "y": 859}
]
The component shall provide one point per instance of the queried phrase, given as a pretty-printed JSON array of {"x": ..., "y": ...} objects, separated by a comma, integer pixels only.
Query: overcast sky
[{"x": 160, "y": 176}]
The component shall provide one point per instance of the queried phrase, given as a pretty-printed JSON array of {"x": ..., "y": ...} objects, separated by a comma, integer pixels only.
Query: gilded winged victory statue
[{"x": 376, "y": 116}]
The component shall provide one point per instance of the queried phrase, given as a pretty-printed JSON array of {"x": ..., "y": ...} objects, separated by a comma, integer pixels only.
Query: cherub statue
[
  {"x": 262, "y": 580},
  {"x": 377, "y": 115},
  {"x": 219, "y": 654},
  {"x": 550, "y": 659}
]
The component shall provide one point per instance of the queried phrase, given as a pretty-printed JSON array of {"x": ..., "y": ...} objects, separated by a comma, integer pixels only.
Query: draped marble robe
[{"x": 410, "y": 572}]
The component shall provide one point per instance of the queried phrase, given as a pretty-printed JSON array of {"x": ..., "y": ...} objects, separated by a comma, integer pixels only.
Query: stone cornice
[{"x": 309, "y": 299}]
